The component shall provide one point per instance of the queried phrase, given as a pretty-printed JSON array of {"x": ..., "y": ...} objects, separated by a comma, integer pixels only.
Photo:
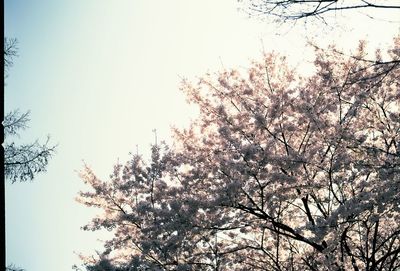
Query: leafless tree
[
  {"x": 10, "y": 51},
  {"x": 12, "y": 267},
  {"x": 292, "y": 10},
  {"x": 21, "y": 162}
]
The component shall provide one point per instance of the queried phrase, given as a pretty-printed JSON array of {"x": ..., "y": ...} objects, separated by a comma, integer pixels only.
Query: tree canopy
[{"x": 279, "y": 172}]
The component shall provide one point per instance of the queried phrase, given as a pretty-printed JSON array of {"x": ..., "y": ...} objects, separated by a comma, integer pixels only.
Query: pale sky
[{"x": 99, "y": 76}]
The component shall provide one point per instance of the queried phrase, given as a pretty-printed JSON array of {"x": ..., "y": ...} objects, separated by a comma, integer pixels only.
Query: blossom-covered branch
[{"x": 279, "y": 172}]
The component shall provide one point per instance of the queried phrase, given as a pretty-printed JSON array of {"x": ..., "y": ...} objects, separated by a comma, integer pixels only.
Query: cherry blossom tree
[{"x": 279, "y": 172}]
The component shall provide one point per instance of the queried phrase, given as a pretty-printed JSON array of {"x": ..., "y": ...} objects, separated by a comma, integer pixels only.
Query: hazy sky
[{"x": 99, "y": 76}]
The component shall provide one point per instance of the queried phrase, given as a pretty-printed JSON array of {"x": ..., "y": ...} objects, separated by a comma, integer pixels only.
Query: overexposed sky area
[{"x": 99, "y": 76}]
